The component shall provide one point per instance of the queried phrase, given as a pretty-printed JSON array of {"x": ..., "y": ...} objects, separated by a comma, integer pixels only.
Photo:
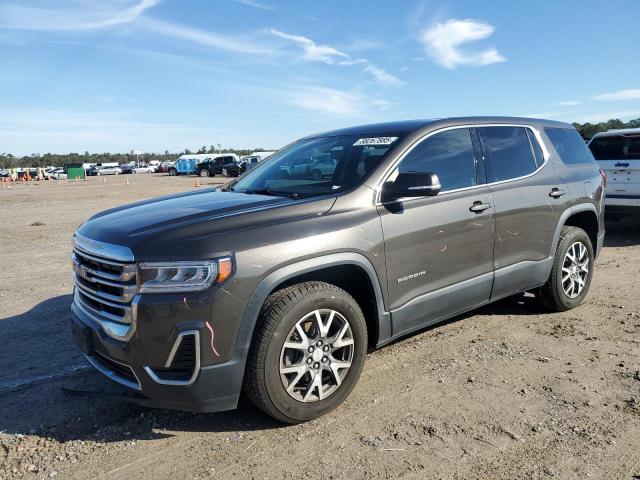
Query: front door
[{"x": 439, "y": 250}]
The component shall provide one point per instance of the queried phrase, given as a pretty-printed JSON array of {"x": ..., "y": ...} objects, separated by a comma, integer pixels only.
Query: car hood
[{"x": 163, "y": 226}]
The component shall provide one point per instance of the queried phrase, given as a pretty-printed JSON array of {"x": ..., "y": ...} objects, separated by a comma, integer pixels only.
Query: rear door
[
  {"x": 619, "y": 156},
  {"x": 529, "y": 198}
]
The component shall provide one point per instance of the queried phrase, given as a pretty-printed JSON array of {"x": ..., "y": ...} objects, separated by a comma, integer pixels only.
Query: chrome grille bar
[{"x": 105, "y": 282}]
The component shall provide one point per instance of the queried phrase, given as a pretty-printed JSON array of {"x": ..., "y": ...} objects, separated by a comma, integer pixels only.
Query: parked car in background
[
  {"x": 154, "y": 166},
  {"x": 618, "y": 153},
  {"x": 262, "y": 155},
  {"x": 214, "y": 165},
  {"x": 58, "y": 174},
  {"x": 234, "y": 169},
  {"x": 279, "y": 286},
  {"x": 110, "y": 171},
  {"x": 129, "y": 168},
  {"x": 100, "y": 170},
  {"x": 317, "y": 167}
]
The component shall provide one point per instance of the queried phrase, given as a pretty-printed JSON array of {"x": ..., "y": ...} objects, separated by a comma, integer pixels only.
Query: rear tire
[
  {"x": 203, "y": 173},
  {"x": 172, "y": 172},
  {"x": 571, "y": 273},
  {"x": 308, "y": 377}
]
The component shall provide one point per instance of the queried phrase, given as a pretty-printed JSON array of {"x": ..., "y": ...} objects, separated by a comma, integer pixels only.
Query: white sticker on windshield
[{"x": 375, "y": 141}]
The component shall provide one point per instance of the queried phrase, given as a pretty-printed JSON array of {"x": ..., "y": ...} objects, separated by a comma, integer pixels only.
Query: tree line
[
  {"x": 588, "y": 130},
  {"x": 35, "y": 160},
  {"x": 7, "y": 160}
]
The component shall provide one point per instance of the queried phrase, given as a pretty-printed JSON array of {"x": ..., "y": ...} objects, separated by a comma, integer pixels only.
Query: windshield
[{"x": 316, "y": 166}]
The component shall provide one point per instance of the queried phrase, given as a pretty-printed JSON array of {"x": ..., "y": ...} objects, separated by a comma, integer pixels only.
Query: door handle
[
  {"x": 479, "y": 207},
  {"x": 557, "y": 193}
]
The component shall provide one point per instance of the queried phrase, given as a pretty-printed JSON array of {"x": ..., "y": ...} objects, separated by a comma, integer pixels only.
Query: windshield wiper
[{"x": 275, "y": 193}]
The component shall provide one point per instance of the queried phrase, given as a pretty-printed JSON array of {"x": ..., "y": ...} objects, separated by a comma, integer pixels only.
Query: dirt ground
[{"x": 508, "y": 391}]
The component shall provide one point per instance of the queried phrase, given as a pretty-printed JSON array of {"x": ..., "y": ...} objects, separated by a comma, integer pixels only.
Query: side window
[
  {"x": 449, "y": 154},
  {"x": 509, "y": 153},
  {"x": 569, "y": 145}
]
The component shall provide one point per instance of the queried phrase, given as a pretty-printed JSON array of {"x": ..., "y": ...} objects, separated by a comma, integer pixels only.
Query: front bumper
[{"x": 214, "y": 387}]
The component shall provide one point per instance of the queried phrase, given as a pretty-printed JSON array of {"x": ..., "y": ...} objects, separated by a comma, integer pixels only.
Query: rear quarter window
[{"x": 569, "y": 145}]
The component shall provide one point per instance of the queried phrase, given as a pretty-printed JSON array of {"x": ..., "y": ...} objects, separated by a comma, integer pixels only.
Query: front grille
[{"x": 105, "y": 290}]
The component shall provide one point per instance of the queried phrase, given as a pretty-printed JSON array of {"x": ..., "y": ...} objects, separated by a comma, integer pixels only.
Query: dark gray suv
[{"x": 279, "y": 282}]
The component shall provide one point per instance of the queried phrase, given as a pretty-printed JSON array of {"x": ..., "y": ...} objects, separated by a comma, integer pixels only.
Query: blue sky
[{"x": 159, "y": 75}]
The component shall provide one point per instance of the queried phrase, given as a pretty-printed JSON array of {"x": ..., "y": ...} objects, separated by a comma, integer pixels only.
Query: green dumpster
[{"x": 74, "y": 170}]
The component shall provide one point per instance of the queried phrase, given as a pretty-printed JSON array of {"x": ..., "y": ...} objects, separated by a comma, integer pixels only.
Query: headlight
[{"x": 157, "y": 277}]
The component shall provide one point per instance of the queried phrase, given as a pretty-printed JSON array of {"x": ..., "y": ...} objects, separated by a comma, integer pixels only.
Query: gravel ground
[{"x": 508, "y": 391}]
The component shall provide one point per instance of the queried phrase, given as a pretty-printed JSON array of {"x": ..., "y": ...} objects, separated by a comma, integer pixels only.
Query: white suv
[{"x": 618, "y": 153}]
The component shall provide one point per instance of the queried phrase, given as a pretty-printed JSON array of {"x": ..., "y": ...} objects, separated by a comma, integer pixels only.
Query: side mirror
[{"x": 411, "y": 184}]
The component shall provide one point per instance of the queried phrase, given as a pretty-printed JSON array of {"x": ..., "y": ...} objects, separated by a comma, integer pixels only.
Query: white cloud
[
  {"x": 569, "y": 103},
  {"x": 632, "y": 94},
  {"x": 326, "y": 100},
  {"x": 382, "y": 76},
  {"x": 443, "y": 41},
  {"x": 202, "y": 37},
  {"x": 363, "y": 44},
  {"x": 71, "y": 15},
  {"x": 604, "y": 116},
  {"x": 313, "y": 52},
  {"x": 256, "y": 4},
  {"x": 335, "y": 102}
]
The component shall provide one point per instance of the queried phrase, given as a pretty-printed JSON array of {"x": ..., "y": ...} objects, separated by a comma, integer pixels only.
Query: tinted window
[
  {"x": 449, "y": 154},
  {"x": 616, "y": 147},
  {"x": 509, "y": 150},
  {"x": 318, "y": 166},
  {"x": 569, "y": 145}
]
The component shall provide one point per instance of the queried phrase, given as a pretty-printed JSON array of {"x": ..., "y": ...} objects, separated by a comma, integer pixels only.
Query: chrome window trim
[
  {"x": 174, "y": 349},
  {"x": 102, "y": 249},
  {"x": 387, "y": 173}
]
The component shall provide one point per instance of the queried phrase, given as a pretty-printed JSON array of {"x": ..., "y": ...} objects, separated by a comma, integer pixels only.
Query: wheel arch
[
  {"x": 346, "y": 270},
  {"x": 583, "y": 215}
]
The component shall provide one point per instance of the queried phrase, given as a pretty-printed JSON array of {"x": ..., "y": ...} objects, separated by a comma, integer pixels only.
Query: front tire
[
  {"x": 203, "y": 172},
  {"x": 307, "y": 352},
  {"x": 571, "y": 273}
]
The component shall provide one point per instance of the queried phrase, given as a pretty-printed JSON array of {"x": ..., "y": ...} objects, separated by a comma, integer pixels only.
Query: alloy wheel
[
  {"x": 575, "y": 269},
  {"x": 316, "y": 355}
]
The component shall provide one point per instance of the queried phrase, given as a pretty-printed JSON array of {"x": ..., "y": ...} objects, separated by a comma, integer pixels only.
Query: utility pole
[{"x": 219, "y": 149}]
